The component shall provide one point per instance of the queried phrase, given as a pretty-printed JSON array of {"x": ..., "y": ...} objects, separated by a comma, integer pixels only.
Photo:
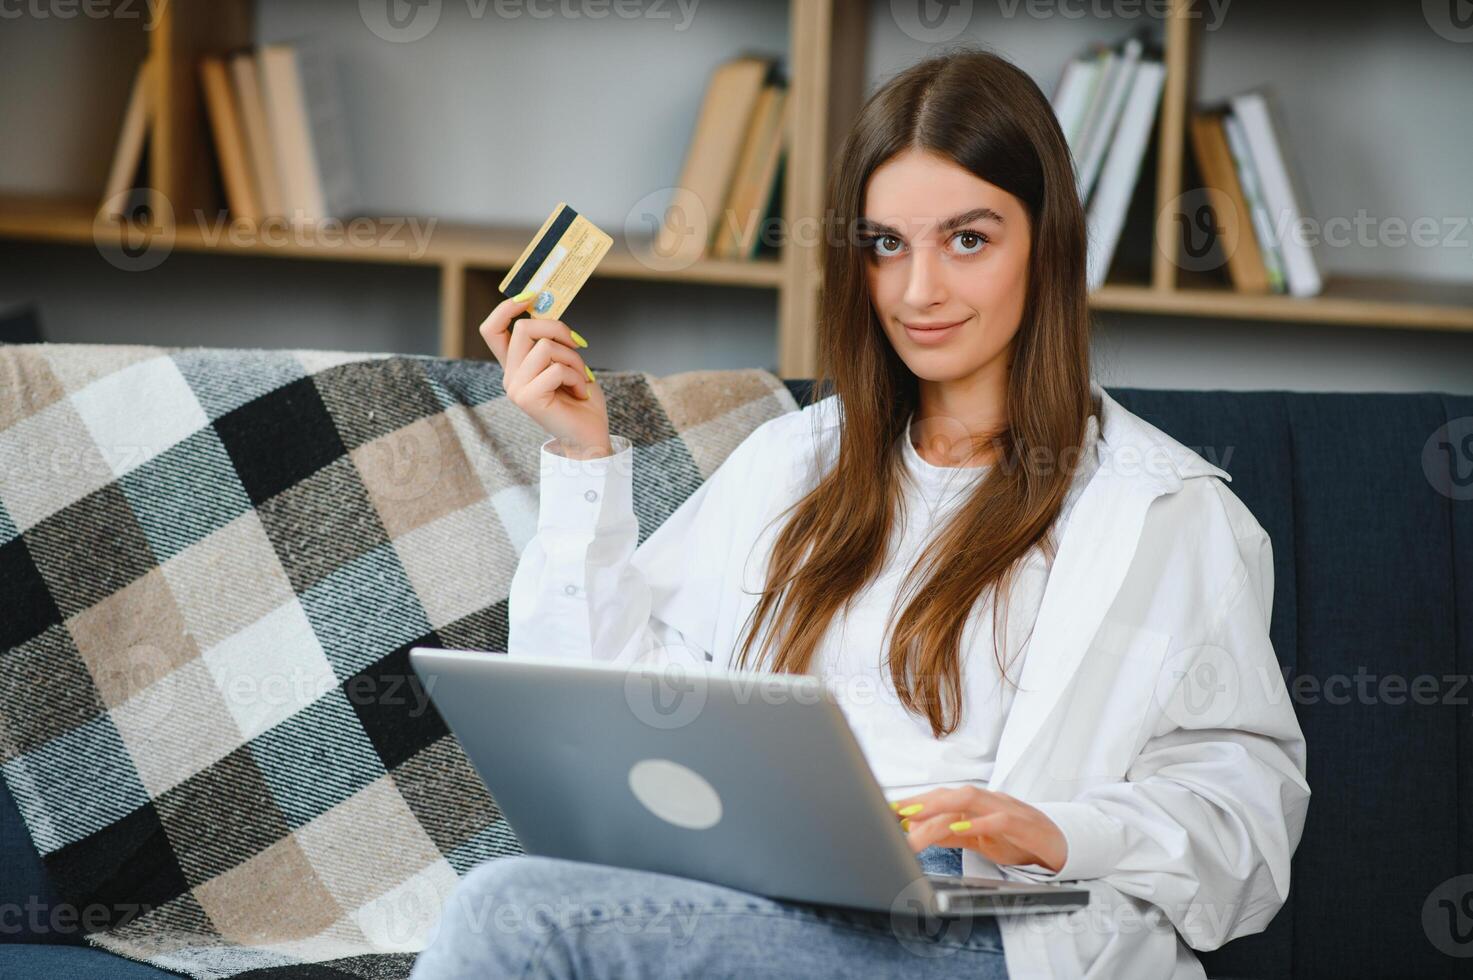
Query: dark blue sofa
[{"x": 1374, "y": 591}]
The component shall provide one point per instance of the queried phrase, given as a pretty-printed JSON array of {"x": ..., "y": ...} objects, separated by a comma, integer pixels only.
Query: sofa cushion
[
  {"x": 73, "y": 963},
  {"x": 27, "y": 901},
  {"x": 1376, "y": 550}
]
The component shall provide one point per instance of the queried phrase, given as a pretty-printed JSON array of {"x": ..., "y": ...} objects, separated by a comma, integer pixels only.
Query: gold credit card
[{"x": 559, "y": 261}]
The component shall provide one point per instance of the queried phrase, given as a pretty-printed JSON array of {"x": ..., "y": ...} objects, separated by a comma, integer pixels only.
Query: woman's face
[{"x": 943, "y": 246}]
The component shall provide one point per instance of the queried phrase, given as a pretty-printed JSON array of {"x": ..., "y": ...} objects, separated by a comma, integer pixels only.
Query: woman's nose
[{"x": 926, "y": 286}]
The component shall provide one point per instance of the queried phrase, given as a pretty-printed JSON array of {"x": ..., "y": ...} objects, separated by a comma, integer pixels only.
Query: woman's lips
[{"x": 933, "y": 335}]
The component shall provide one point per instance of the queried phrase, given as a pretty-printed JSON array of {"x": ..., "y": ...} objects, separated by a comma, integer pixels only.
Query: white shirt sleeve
[
  {"x": 1206, "y": 822},
  {"x": 585, "y": 589}
]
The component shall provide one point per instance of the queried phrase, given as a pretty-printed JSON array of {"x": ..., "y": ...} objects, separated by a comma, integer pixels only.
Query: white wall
[{"x": 496, "y": 118}]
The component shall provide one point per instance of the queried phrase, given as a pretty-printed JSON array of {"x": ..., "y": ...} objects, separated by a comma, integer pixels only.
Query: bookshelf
[
  {"x": 825, "y": 83},
  {"x": 827, "y": 40},
  {"x": 1345, "y": 300}
]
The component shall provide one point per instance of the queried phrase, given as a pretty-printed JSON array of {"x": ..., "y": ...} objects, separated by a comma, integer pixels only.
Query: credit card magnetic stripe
[{"x": 540, "y": 252}]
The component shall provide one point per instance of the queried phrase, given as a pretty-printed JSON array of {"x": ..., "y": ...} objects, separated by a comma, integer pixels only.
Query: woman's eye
[
  {"x": 974, "y": 241},
  {"x": 879, "y": 248},
  {"x": 888, "y": 246}
]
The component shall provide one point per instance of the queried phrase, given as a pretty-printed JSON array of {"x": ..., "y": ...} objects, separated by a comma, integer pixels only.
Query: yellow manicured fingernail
[
  {"x": 525, "y": 294},
  {"x": 911, "y": 810},
  {"x": 577, "y": 339},
  {"x": 895, "y": 806},
  {"x": 961, "y": 825},
  {"x": 589, "y": 371},
  {"x": 905, "y": 825}
]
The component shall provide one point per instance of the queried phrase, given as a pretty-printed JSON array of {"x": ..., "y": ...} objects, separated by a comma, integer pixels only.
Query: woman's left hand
[{"x": 1002, "y": 828}]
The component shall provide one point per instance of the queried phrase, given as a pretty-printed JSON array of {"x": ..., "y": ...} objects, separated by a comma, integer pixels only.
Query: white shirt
[
  {"x": 898, "y": 744},
  {"x": 1180, "y": 807}
]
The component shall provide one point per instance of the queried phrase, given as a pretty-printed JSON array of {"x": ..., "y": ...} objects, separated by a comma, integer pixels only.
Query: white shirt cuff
[
  {"x": 586, "y": 494},
  {"x": 1095, "y": 842}
]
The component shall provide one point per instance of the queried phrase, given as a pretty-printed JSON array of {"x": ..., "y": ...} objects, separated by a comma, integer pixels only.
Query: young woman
[{"x": 1046, "y": 620}]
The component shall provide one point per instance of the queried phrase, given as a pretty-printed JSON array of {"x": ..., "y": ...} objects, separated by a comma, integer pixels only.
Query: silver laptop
[{"x": 745, "y": 779}]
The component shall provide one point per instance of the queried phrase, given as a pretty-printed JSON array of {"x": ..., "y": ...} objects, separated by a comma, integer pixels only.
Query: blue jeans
[{"x": 527, "y": 916}]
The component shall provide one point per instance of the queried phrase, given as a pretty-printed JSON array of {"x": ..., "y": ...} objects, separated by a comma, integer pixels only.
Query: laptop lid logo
[{"x": 676, "y": 794}]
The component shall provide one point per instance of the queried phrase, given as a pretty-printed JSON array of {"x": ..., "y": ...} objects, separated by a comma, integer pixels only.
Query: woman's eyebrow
[{"x": 950, "y": 224}]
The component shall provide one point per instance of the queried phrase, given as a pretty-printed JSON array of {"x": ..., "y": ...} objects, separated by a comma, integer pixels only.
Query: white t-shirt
[{"x": 899, "y": 746}]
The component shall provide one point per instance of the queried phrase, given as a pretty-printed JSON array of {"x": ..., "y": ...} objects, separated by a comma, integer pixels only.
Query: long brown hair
[{"x": 986, "y": 115}]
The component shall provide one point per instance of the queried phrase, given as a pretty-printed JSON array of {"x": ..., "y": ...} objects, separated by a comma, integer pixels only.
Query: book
[
  {"x": 1263, "y": 229},
  {"x": 1071, "y": 97},
  {"x": 766, "y": 140},
  {"x": 1107, "y": 62},
  {"x": 711, "y": 158},
  {"x": 128, "y": 154},
  {"x": 731, "y": 217},
  {"x": 1234, "y": 215},
  {"x": 1122, "y": 168},
  {"x": 771, "y": 244},
  {"x": 328, "y": 115},
  {"x": 1120, "y": 86},
  {"x": 247, "y": 84},
  {"x": 307, "y": 125},
  {"x": 1283, "y": 192},
  {"x": 227, "y": 128}
]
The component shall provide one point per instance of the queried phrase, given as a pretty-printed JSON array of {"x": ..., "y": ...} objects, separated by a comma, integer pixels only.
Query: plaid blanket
[{"x": 213, "y": 564}]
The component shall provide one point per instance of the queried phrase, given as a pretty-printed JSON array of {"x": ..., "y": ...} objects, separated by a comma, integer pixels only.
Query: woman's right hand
[{"x": 545, "y": 377}]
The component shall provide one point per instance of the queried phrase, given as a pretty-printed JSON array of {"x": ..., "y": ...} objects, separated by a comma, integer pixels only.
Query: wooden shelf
[
  {"x": 1351, "y": 301},
  {"x": 373, "y": 240},
  {"x": 1346, "y": 301}
]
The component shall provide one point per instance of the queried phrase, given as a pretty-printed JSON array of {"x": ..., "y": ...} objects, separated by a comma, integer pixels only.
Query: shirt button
[
  {"x": 590, "y": 496},
  {"x": 570, "y": 589}
]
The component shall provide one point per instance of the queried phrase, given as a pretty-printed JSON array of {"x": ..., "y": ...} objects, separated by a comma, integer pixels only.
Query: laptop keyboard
[{"x": 957, "y": 883}]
